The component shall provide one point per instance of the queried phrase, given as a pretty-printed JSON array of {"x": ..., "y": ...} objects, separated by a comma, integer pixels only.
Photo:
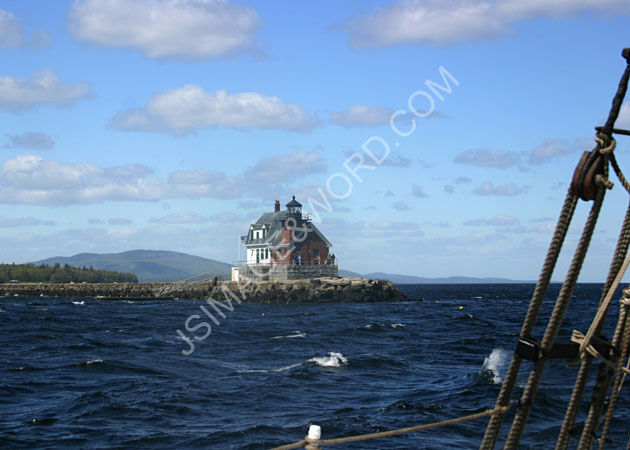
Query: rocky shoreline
[{"x": 317, "y": 290}]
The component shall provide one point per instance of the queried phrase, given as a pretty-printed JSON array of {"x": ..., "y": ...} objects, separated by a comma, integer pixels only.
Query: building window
[
  {"x": 266, "y": 253},
  {"x": 251, "y": 235}
]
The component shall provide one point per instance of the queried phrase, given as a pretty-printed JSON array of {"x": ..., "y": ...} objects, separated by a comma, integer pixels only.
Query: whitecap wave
[
  {"x": 494, "y": 364},
  {"x": 82, "y": 302},
  {"x": 333, "y": 359},
  {"x": 89, "y": 362},
  {"x": 296, "y": 334},
  {"x": 380, "y": 326},
  {"x": 281, "y": 369}
]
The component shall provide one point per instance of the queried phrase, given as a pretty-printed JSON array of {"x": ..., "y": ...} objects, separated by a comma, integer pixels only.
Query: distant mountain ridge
[
  {"x": 163, "y": 265},
  {"x": 148, "y": 265},
  {"x": 410, "y": 279}
]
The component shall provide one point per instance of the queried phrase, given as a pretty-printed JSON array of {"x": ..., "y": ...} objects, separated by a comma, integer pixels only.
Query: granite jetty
[{"x": 317, "y": 290}]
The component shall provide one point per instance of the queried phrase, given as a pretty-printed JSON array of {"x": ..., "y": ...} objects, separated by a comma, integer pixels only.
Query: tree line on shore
[{"x": 57, "y": 274}]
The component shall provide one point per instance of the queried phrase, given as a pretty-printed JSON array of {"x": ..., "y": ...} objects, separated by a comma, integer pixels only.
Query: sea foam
[
  {"x": 333, "y": 359},
  {"x": 494, "y": 364},
  {"x": 296, "y": 334}
]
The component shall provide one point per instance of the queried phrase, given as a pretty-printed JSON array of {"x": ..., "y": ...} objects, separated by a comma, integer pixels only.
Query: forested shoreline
[{"x": 58, "y": 274}]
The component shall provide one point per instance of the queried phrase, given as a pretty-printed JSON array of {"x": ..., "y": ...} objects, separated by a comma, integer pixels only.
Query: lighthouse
[{"x": 286, "y": 245}]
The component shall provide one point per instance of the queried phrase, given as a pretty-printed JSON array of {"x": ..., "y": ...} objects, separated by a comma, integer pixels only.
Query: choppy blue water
[{"x": 80, "y": 373}]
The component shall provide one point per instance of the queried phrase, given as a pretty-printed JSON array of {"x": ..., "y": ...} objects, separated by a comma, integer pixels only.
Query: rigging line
[
  {"x": 621, "y": 250},
  {"x": 621, "y": 371},
  {"x": 553, "y": 252},
  {"x": 555, "y": 321},
  {"x": 363, "y": 437}
]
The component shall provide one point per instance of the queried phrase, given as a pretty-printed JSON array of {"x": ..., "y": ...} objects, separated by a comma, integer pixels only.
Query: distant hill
[
  {"x": 349, "y": 274},
  {"x": 159, "y": 265},
  {"x": 148, "y": 265},
  {"x": 410, "y": 279}
]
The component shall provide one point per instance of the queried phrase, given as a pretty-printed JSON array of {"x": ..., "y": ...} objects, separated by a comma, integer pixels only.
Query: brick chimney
[{"x": 276, "y": 206}]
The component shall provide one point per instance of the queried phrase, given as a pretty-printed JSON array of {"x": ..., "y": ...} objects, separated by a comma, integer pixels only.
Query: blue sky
[{"x": 173, "y": 124}]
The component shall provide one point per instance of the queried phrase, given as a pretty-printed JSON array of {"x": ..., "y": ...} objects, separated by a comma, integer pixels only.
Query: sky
[{"x": 429, "y": 138}]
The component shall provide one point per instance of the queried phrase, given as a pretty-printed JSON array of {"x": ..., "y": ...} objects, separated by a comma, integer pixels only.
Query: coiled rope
[{"x": 312, "y": 444}]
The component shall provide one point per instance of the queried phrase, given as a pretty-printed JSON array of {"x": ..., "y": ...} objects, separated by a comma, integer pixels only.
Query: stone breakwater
[{"x": 317, "y": 290}]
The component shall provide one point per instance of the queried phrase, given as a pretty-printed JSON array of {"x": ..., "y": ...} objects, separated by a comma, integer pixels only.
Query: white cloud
[
  {"x": 12, "y": 34},
  {"x": 544, "y": 153},
  {"x": 396, "y": 160},
  {"x": 229, "y": 217},
  {"x": 341, "y": 229},
  {"x": 286, "y": 167},
  {"x": 24, "y": 222},
  {"x": 488, "y": 188},
  {"x": 30, "y": 179},
  {"x": 30, "y": 140},
  {"x": 400, "y": 206},
  {"x": 488, "y": 158},
  {"x": 10, "y": 30},
  {"x": 552, "y": 149},
  {"x": 496, "y": 221},
  {"x": 182, "y": 29},
  {"x": 40, "y": 39},
  {"x": 417, "y": 191},
  {"x": 179, "y": 218},
  {"x": 430, "y": 22},
  {"x": 393, "y": 160},
  {"x": 435, "y": 22},
  {"x": 250, "y": 204},
  {"x": 462, "y": 180},
  {"x": 204, "y": 183},
  {"x": 45, "y": 87},
  {"x": 187, "y": 109},
  {"x": 524, "y": 9},
  {"x": 387, "y": 228},
  {"x": 119, "y": 221},
  {"x": 362, "y": 116}
]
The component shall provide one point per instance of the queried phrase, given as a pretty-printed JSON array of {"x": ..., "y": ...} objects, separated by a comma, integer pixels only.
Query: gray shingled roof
[
  {"x": 273, "y": 221},
  {"x": 293, "y": 202}
]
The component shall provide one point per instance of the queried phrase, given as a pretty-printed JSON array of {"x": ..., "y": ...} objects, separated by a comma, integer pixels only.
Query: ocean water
[{"x": 86, "y": 374}]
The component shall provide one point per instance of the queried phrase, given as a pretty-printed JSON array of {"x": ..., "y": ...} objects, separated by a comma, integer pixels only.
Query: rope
[
  {"x": 621, "y": 371},
  {"x": 292, "y": 446},
  {"x": 562, "y": 226},
  {"x": 604, "y": 377},
  {"x": 364, "y": 437},
  {"x": 554, "y": 324},
  {"x": 619, "y": 173},
  {"x": 609, "y": 151},
  {"x": 597, "y": 323},
  {"x": 579, "y": 338},
  {"x": 623, "y": 243}
]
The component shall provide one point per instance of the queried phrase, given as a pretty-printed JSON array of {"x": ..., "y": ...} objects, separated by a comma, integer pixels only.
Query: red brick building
[{"x": 287, "y": 242}]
